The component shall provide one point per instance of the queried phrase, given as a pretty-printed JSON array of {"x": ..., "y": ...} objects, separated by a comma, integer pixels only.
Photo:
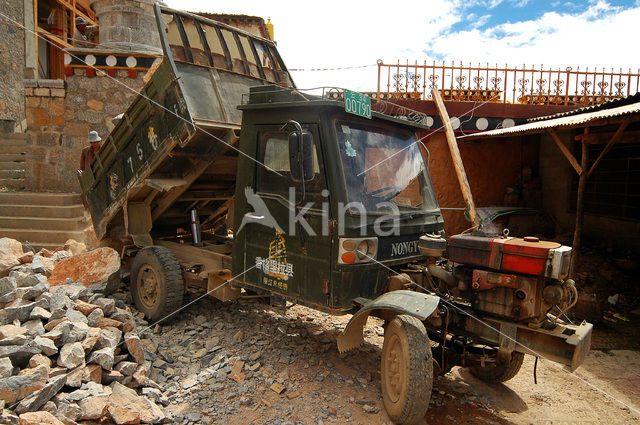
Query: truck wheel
[
  {"x": 406, "y": 370},
  {"x": 502, "y": 372},
  {"x": 156, "y": 283}
]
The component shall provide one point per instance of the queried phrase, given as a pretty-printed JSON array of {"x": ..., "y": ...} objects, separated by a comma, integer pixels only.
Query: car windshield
[{"x": 383, "y": 166}]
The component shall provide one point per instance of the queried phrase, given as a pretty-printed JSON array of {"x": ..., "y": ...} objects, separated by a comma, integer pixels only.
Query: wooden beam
[
  {"x": 457, "y": 159},
  {"x": 52, "y": 37},
  {"x": 606, "y": 149},
  {"x": 572, "y": 160},
  {"x": 629, "y": 136},
  {"x": 221, "y": 210},
  {"x": 577, "y": 233},
  {"x": 76, "y": 11}
]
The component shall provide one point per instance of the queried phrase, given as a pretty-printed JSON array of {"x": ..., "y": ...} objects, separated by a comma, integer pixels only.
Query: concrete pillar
[{"x": 127, "y": 25}]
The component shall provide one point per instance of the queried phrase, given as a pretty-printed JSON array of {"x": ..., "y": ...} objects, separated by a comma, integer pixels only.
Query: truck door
[{"x": 282, "y": 254}]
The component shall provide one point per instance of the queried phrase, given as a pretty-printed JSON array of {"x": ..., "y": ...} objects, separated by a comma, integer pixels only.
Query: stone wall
[
  {"x": 11, "y": 65},
  {"x": 60, "y": 116}
]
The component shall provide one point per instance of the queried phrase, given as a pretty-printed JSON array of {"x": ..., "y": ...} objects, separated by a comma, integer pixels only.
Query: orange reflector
[{"x": 348, "y": 257}]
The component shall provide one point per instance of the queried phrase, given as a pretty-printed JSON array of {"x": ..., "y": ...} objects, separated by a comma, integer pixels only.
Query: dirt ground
[{"x": 323, "y": 386}]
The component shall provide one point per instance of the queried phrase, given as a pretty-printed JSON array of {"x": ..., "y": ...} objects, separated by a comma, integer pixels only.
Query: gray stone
[
  {"x": 40, "y": 313},
  {"x": 108, "y": 305},
  {"x": 39, "y": 265},
  {"x": 40, "y": 397},
  {"x": 76, "y": 332},
  {"x": 34, "y": 327},
  {"x": 76, "y": 316},
  {"x": 19, "y": 354},
  {"x": 153, "y": 394},
  {"x": 73, "y": 291},
  {"x": 126, "y": 368},
  {"x": 70, "y": 411},
  {"x": 15, "y": 388},
  {"x": 59, "y": 300},
  {"x": 6, "y": 368},
  {"x": 20, "y": 310},
  {"x": 8, "y": 284},
  {"x": 50, "y": 407},
  {"x": 71, "y": 355},
  {"x": 95, "y": 316},
  {"x": 24, "y": 280},
  {"x": 109, "y": 337},
  {"x": 32, "y": 292},
  {"x": 89, "y": 389},
  {"x": 47, "y": 346},
  {"x": 8, "y": 418},
  {"x": 14, "y": 340},
  {"x": 102, "y": 357}
]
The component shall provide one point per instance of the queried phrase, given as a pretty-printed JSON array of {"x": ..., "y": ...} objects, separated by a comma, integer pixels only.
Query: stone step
[
  {"x": 40, "y": 199},
  {"x": 12, "y": 165},
  {"x": 64, "y": 211},
  {"x": 12, "y": 184},
  {"x": 15, "y": 173},
  {"x": 43, "y": 223},
  {"x": 39, "y": 238},
  {"x": 9, "y": 149},
  {"x": 13, "y": 138},
  {"x": 12, "y": 157}
]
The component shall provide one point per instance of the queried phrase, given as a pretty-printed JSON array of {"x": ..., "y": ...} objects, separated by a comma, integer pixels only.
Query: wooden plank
[
  {"x": 457, "y": 159},
  {"x": 606, "y": 149},
  {"x": 53, "y": 38},
  {"x": 565, "y": 151}
]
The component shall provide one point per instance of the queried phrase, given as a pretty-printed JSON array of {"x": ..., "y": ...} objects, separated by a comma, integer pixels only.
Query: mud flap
[{"x": 403, "y": 302}]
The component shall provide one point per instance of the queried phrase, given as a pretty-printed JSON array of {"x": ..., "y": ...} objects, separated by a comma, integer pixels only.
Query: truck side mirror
[{"x": 301, "y": 155}]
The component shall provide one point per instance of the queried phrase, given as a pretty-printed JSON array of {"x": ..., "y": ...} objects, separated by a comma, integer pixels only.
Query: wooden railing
[{"x": 526, "y": 85}]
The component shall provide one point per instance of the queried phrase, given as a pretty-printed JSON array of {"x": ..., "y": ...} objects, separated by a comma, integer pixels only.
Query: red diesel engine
[{"x": 514, "y": 278}]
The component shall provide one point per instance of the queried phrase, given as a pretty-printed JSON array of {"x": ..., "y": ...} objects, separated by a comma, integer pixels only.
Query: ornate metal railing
[{"x": 504, "y": 84}]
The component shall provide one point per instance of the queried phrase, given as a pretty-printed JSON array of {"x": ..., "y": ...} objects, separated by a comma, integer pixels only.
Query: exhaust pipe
[{"x": 195, "y": 228}]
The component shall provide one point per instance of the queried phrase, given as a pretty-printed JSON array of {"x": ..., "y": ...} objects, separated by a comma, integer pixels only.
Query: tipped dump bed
[{"x": 174, "y": 149}]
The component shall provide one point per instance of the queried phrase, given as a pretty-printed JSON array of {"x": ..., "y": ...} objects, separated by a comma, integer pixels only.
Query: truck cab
[{"x": 336, "y": 234}]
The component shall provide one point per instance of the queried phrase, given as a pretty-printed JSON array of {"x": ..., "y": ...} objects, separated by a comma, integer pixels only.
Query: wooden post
[
  {"x": 582, "y": 182},
  {"x": 457, "y": 159}
]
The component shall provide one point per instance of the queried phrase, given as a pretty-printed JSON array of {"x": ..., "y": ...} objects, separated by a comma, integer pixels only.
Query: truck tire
[
  {"x": 157, "y": 287},
  {"x": 501, "y": 372},
  {"x": 406, "y": 370}
]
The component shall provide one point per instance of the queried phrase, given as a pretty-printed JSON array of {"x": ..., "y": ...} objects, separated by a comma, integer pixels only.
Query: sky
[{"x": 342, "y": 34}]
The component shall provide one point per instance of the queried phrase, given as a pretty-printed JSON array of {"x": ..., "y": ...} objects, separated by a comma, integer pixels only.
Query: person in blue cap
[{"x": 90, "y": 151}]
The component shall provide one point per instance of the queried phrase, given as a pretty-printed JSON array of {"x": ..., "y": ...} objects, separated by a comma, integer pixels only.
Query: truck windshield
[{"x": 383, "y": 166}]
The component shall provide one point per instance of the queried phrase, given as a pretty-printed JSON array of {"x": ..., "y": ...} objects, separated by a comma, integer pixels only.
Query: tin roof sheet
[{"x": 562, "y": 120}]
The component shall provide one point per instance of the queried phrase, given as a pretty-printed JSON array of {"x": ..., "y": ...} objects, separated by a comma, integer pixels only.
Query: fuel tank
[{"x": 527, "y": 255}]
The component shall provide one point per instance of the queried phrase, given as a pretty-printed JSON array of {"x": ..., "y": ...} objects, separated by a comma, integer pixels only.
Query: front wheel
[
  {"x": 157, "y": 287},
  {"x": 501, "y": 372},
  {"x": 406, "y": 370}
]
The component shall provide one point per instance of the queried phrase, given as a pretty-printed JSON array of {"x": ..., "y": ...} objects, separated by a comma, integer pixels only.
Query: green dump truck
[{"x": 221, "y": 174}]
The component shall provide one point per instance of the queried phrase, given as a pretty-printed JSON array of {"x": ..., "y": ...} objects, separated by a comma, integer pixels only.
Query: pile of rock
[{"x": 68, "y": 353}]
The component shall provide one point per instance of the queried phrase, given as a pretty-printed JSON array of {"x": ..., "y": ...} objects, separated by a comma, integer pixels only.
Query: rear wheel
[
  {"x": 501, "y": 372},
  {"x": 406, "y": 370},
  {"x": 156, "y": 283}
]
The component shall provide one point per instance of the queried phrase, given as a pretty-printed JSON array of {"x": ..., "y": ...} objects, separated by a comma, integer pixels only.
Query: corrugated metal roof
[
  {"x": 605, "y": 105},
  {"x": 562, "y": 121}
]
